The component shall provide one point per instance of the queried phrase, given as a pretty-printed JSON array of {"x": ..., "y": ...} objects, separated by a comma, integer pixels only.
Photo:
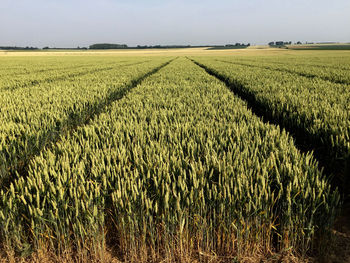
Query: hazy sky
[{"x": 69, "y": 23}]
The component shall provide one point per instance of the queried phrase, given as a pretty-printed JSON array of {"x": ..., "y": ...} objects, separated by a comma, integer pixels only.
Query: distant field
[
  {"x": 173, "y": 155},
  {"x": 320, "y": 47},
  {"x": 264, "y": 51}
]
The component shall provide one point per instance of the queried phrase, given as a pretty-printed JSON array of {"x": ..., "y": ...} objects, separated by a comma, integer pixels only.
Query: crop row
[
  {"x": 335, "y": 75},
  {"x": 316, "y": 110},
  {"x": 30, "y": 80},
  {"x": 18, "y": 66},
  {"x": 36, "y": 69},
  {"x": 179, "y": 163},
  {"x": 321, "y": 60},
  {"x": 32, "y": 118}
]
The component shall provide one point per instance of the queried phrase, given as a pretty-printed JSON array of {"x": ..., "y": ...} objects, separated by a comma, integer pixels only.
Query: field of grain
[{"x": 184, "y": 155}]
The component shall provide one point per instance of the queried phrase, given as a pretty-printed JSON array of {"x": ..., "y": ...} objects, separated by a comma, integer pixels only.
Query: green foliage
[{"x": 108, "y": 46}]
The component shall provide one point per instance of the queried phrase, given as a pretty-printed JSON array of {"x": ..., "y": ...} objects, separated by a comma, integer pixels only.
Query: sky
[{"x": 72, "y": 23}]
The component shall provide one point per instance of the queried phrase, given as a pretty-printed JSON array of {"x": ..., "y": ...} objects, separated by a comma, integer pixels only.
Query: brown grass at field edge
[
  {"x": 184, "y": 253},
  {"x": 108, "y": 256}
]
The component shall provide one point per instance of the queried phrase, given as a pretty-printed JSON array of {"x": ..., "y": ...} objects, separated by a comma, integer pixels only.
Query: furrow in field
[
  {"x": 18, "y": 147},
  {"x": 331, "y": 148}
]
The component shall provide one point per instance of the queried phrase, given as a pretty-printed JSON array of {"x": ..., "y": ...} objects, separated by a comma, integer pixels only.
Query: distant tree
[{"x": 108, "y": 46}]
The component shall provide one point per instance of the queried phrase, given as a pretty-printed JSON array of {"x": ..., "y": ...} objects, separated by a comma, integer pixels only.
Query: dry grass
[
  {"x": 188, "y": 252},
  {"x": 193, "y": 257}
]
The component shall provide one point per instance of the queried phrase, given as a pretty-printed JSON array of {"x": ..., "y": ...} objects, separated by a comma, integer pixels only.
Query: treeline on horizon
[
  {"x": 122, "y": 46},
  {"x": 17, "y": 48}
]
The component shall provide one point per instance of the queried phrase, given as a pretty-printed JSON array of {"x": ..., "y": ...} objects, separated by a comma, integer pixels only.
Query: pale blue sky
[{"x": 69, "y": 23}]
